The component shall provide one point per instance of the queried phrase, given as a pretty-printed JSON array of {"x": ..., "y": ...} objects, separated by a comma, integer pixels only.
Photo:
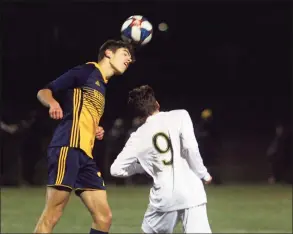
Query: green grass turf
[{"x": 231, "y": 208}]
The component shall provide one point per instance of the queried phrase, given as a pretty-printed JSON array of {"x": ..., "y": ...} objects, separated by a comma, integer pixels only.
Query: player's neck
[
  {"x": 107, "y": 69},
  {"x": 155, "y": 112},
  {"x": 145, "y": 118}
]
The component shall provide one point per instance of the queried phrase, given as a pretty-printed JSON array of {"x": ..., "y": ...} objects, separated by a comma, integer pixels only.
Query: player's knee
[
  {"x": 52, "y": 216},
  {"x": 52, "y": 221},
  {"x": 104, "y": 218}
]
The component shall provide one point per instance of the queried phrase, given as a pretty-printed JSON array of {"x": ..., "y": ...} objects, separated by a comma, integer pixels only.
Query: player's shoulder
[
  {"x": 81, "y": 70},
  {"x": 90, "y": 66},
  {"x": 179, "y": 113},
  {"x": 84, "y": 67}
]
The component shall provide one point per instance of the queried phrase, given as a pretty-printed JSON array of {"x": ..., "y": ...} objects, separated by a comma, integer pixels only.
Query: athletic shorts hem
[
  {"x": 147, "y": 230},
  {"x": 146, "y": 227},
  {"x": 60, "y": 186},
  {"x": 89, "y": 189},
  {"x": 79, "y": 191}
]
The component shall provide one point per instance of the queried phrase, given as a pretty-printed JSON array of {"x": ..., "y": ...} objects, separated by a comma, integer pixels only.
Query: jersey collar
[
  {"x": 153, "y": 116},
  {"x": 101, "y": 71}
]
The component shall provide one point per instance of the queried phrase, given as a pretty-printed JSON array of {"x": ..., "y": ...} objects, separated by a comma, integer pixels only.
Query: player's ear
[
  {"x": 158, "y": 105},
  {"x": 108, "y": 53}
]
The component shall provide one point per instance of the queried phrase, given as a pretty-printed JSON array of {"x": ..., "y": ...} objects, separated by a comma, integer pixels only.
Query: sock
[{"x": 94, "y": 231}]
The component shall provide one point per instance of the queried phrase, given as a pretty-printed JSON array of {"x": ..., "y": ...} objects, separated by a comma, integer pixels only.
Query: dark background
[{"x": 231, "y": 56}]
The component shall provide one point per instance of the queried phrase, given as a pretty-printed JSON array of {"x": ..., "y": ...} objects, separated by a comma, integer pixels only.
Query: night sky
[{"x": 233, "y": 57}]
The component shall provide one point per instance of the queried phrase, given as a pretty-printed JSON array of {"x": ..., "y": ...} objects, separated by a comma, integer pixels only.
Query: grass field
[{"x": 231, "y": 208}]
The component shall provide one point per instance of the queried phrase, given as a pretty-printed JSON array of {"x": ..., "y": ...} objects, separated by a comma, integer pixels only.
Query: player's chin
[{"x": 120, "y": 71}]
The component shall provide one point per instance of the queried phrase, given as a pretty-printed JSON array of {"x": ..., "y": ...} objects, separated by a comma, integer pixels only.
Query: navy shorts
[{"x": 70, "y": 168}]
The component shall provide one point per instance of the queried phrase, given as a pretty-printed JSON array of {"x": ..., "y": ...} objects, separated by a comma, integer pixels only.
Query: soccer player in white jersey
[{"x": 166, "y": 149}]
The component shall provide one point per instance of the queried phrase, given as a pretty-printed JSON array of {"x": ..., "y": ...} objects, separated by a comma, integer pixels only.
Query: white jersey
[{"x": 165, "y": 148}]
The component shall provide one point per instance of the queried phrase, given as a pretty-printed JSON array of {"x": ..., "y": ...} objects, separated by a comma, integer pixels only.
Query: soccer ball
[{"x": 137, "y": 29}]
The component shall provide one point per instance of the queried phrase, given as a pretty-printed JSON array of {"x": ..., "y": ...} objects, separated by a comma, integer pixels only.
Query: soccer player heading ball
[{"x": 80, "y": 106}]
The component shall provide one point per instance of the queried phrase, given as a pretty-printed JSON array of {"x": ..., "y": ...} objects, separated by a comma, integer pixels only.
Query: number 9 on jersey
[{"x": 162, "y": 144}]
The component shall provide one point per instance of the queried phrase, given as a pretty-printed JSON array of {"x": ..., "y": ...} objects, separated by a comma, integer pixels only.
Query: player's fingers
[
  {"x": 99, "y": 129},
  {"x": 208, "y": 181},
  {"x": 56, "y": 114},
  {"x": 51, "y": 113},
  {"x": 59, "y": 114},
  {"x": 101, "y": 133},
  {"x": 99, "y": 136}
]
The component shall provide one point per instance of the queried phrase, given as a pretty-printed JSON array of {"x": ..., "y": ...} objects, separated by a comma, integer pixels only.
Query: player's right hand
[{"x": 55, "y": 111}]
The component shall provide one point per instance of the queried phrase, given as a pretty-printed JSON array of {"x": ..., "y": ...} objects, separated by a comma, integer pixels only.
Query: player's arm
[
  {"x": 191, "y": 150},
  {"x": 127, "y": 164},
  {"x": 73, "y": 78}
]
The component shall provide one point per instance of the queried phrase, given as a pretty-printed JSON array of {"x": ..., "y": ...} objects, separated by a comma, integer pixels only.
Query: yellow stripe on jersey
[
  {"x": 91, "y": 112},
  {"x": 74, "y": 139},
  {"x": 61, "y": 165}
]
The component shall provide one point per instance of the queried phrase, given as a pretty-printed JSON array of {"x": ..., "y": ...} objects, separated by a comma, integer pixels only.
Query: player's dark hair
[
  {"x": 113, "y": 46},
  {"x": 142, "y": 101}
]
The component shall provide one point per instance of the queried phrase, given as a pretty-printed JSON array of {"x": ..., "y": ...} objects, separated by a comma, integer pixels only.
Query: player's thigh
[
  {"x": 91, "y": 188},
  {"x": 97, "y": 203},
  {"x": 195, "y": 220},
  {"x": 89, "y": 176},
  {"x": 56, "y": 200},
  {"x": 63, "y": 167},
  {"x": 159, "y": 222}
]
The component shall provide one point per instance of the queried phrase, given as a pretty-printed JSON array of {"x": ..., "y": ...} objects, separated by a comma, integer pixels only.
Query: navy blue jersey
[{"x": 81, "y": 94}]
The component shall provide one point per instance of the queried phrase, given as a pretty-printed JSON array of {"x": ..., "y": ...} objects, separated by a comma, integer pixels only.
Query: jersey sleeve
[
  {"x": 73, "y": 78},
  {"x": 127, "y": 164},
  {"x": 190, "y": 147}
]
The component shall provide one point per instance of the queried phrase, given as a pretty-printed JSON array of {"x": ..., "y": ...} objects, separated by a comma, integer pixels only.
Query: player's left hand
[
  {"x": 100, "y": 133},
  {"x": 208, "y": 181}
]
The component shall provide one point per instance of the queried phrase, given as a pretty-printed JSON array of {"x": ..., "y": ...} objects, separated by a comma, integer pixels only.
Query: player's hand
[
  {"x": 100, "y": 133},
  {"x": 55, "y": 111},
  {"x": 209, "y": 181}
]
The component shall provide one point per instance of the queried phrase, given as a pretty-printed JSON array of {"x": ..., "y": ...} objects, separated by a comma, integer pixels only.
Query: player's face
[{"x": 120, "y": 60}]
